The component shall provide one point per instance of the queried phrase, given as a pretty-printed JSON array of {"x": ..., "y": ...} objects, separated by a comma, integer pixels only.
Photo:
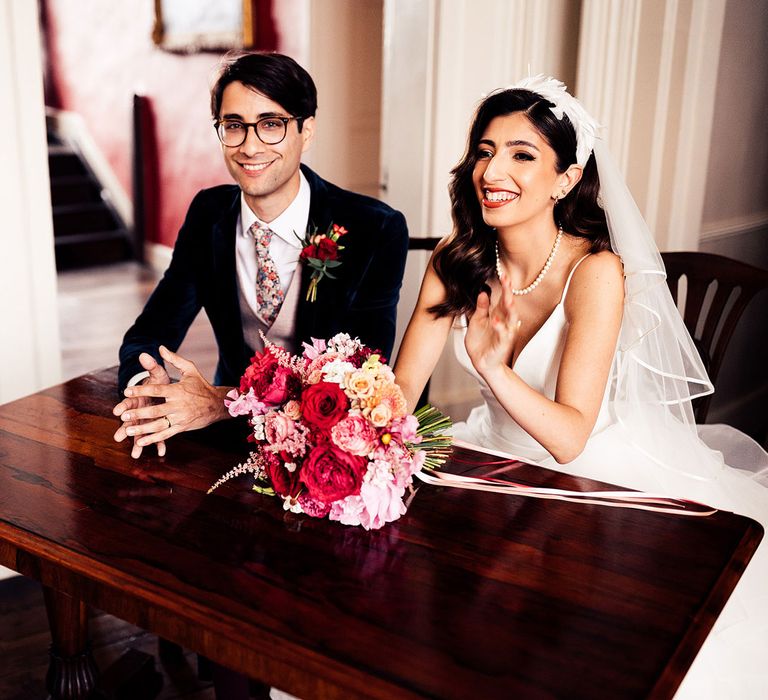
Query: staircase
[{"x": 87, "y": 229}]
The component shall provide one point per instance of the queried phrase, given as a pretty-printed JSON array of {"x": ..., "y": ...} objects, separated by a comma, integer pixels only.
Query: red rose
[
  {"x": 323, "y": 405},
  {"x": 271, "y": 383},
  {"x": 331, "y": 474},
  {"x": 284, "y": 482},
  {"x": 327, "y": 249},
  {"x": 258, "y": 374},
  {"x": 309, "y": 251},
  {"x": 284, "y": 385}
]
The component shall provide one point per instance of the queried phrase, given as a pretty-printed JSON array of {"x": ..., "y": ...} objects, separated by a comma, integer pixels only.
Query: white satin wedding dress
[{"x": 733, "y": 662}]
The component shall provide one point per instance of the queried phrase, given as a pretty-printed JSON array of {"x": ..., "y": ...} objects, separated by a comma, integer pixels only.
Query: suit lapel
[
  {"x": 224, "y": 277},
  {"x": 309, "y": 314}
]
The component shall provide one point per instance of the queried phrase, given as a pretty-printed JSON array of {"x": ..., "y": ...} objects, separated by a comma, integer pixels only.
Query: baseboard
[
  {"x": 158, "y": 256},
  {"x": 73, "y": 129}
]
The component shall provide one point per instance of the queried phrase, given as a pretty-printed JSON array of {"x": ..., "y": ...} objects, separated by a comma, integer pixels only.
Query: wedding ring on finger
[{"x": 167, "y": 420}]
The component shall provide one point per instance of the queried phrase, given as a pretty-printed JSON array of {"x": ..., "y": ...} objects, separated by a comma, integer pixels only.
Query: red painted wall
[{"x": 99, "y": 54}]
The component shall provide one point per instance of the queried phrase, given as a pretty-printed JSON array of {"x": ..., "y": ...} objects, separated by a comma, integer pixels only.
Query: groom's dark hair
[{"x": 274, "y": 75}]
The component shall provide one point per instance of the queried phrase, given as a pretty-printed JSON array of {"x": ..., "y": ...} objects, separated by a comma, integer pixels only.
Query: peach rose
[
  {"x": 381, "y": 415},
  {"x": 360, "y": 384}
]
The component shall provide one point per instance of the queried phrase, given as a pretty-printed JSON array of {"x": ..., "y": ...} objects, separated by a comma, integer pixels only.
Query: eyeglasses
[{"x": 269, "y": 130}]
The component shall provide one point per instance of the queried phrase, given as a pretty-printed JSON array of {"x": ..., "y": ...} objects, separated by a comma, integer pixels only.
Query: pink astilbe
[{"x": 285, "y": 435}]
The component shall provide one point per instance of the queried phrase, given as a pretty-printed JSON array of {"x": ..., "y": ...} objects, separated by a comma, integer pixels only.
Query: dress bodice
[{"x": 537, "y": 364}]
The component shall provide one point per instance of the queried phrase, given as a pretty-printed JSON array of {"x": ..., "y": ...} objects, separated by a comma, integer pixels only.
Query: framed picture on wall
[{"x": 189, "y": 26}]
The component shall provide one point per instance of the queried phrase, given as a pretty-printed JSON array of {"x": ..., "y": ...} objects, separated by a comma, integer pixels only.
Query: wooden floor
[{"x": 96, "y": 306}]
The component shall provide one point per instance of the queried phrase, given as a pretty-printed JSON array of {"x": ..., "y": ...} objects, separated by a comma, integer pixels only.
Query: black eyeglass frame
[{"x": 285, "y": 120}]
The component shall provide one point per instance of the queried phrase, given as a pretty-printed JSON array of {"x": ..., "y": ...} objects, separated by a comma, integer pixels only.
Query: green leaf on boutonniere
[{"x": 320, "y": 252}]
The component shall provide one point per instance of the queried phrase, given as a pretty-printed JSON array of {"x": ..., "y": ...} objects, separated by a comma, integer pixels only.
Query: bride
[{"x": 555, "y": 294}]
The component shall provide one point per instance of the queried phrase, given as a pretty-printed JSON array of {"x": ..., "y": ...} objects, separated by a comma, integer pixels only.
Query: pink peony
[
  {"x": 406, "y": 428},
  {"x": 374, "y": 507},
  {"x": 354, "y": 434},
  {"x": 278, "y": 427}
]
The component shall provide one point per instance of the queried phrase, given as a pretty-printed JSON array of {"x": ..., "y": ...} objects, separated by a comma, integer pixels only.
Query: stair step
[
  {"x": 74, "y": 189},
  {"x": 87, "y": 230},
  {"x": 95, "y": 248},
  {"x": 73, "y": 219},
  {"x": 92, "y": 236},
  {"x": 63, "y": 161}
]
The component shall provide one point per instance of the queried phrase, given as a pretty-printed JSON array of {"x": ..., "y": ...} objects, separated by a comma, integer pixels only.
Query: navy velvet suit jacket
[{"x": 361, "y": 301}]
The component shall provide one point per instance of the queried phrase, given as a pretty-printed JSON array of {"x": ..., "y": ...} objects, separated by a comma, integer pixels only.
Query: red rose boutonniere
[{"x": 320, "y": 251}]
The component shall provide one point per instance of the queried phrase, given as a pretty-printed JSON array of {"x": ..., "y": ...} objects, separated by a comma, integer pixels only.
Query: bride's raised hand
[{"x": 492, "y": 330}]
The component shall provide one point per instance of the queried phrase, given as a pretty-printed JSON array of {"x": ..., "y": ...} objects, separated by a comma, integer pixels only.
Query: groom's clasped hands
[{"x": 158, "y": 409}]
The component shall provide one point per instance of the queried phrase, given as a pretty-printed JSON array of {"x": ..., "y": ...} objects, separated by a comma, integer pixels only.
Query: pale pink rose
[
  {"x": 381, "y": 415},
  {"x": 278, "y": 427},
  {"x": 354, "y": 434},
  {"x": 406, "y": 428},
  {"x": 244, "y": 404},
  {"x": 292, "y": 409},
  {"x": 319, "y": 362},
  {"x": 360, "y": 384},
  {"x": 315, "y": 377}
]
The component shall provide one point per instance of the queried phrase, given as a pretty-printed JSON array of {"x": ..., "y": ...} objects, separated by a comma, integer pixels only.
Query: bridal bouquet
[{"x": 331, "y": 432}]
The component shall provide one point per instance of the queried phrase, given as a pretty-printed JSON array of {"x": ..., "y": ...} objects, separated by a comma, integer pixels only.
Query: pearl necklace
[{"x": 544, "y": 270}]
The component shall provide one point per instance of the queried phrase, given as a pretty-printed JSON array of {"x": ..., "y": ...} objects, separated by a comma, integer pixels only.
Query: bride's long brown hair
[{"x": 467, "y": 260}]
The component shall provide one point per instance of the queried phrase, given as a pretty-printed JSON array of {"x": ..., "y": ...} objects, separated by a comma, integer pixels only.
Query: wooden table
[{"x": 468, "y": 595}]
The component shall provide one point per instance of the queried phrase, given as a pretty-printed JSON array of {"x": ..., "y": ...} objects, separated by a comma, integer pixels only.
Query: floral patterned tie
[{"x": 269, "y": 293}]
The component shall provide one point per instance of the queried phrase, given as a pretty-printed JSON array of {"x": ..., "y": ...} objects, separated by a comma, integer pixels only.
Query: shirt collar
[{"x": 291, "y": 223}]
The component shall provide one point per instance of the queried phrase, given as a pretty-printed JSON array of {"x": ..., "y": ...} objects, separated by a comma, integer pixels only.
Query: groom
[{"x": 237, "y": 256}]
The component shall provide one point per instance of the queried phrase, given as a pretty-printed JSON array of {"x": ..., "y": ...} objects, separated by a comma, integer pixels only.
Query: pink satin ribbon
[{"x": 638, "y": 500}]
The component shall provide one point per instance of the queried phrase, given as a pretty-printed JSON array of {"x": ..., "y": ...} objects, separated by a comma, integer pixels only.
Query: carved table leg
[{"x": 72, "y": 671}]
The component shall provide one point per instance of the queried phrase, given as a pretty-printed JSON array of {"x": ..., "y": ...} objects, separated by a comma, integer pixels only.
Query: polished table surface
[{"x": 470, "y": 594}]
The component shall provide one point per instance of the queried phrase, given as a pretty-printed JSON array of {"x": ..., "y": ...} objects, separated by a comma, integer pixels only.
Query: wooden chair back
[{"x": 711, "y": 316}]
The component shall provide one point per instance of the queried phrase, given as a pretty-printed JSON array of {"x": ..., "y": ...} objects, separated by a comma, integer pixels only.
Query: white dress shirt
[{"x": 284, "y": 247}]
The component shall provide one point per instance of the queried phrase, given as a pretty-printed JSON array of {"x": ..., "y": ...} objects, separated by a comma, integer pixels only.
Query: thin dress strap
[{"x": 570, "y": 274}]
